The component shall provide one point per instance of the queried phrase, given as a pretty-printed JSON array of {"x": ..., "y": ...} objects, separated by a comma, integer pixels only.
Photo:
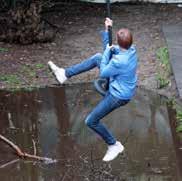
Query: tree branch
[{"x": 24, "y": 155}]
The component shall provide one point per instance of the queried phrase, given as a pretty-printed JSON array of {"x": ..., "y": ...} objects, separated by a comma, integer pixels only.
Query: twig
[
  {"x": 25, "y": 155},
  {"x": 65, "y": 175},
  {"x": 9, "y": 163},
  {"x": 34, "y": 148},
  {"x": 52, "y": 25},
  {"x": 11, "y": 125},
  {"x": 128, "y": 136}
]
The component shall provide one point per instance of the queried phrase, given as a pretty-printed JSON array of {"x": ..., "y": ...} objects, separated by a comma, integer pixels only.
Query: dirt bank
[{"x": 79, "y": 38}]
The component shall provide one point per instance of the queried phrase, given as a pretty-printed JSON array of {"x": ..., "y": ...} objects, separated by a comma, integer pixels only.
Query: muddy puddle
[{"x": 54, "y": 119}]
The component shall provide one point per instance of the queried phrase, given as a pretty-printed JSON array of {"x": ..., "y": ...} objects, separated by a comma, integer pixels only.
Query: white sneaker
[
  {"x": 113, "y": 151},
  {"x": 58, "y": 72}
]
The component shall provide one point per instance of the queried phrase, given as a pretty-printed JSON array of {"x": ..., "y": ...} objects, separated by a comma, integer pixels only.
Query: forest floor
[{"x": 78, "y": 38}]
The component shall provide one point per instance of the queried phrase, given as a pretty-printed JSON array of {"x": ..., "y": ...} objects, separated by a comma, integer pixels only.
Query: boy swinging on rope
[{"x": 118, "y": 63}]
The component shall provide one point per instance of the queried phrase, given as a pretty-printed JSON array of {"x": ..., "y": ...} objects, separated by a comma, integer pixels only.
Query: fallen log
[{"x": 24, "y": 155}]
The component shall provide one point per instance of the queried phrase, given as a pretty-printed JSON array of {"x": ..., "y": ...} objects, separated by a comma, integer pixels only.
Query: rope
[
  {"x": 109, "y": 16},
  {"x": 101, "y": 85}
]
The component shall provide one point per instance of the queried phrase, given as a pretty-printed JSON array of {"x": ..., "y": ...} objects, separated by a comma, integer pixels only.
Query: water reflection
[{"x": 54, "y": 118}]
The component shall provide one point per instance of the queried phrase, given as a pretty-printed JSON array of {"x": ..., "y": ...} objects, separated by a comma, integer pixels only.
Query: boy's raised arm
[{"x": 105, "y": 34}]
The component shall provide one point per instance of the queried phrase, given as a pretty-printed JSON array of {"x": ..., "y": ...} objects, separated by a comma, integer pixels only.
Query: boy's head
[{"x": 124, "y": 38}]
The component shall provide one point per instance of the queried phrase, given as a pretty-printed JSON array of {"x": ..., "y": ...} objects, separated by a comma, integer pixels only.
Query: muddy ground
[{"x": 78, "y": 38}]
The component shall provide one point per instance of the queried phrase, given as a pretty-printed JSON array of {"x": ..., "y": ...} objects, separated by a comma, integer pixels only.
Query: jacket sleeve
[
  {"x": 108, "y": 68},
  {"x": 105, "y": 39}
]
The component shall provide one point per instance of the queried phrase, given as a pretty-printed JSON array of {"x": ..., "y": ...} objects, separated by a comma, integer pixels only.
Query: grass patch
[
  {"x": 10, "y": 79},
  {"x": 39, "y": 66},
  {"x": 178, "y": 109},
  {"x": 3, "y": 49},
  {"x": 30, "y": 88},
  {"x": 162, "y": 81},
  {"x": 179, "y": 120},
  {"x": 16, "y": 89},
  {"x": 164, "y": 68},
  {"x": 30, "y": 72}
]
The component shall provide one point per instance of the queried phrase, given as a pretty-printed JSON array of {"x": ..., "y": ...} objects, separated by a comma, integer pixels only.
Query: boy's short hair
[{"x": 124, "y": 38}]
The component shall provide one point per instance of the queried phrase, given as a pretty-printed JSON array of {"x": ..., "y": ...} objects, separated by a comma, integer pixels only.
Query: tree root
[{"x": 24, "y": 155}]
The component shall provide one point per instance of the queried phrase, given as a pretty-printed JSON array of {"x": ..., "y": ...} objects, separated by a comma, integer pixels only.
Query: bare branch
[
  {"x": 15, "y": 147},
  {"x": 25, "y": 155}
]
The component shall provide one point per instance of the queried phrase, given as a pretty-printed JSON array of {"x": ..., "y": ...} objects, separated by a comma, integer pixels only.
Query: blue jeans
[
  {"x": 84, "y": 66},
  {"x": 105, "y": 106}
]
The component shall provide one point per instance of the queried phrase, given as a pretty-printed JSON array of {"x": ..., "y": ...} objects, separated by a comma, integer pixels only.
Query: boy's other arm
[
  {"x": 107, "y": 67},
  {"x": 105, "y": 34},
  {"x": 105, "y": 39}
]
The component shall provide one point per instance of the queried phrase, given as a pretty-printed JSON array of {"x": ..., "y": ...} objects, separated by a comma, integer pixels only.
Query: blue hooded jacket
[{"x": 120, "y": 67}]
